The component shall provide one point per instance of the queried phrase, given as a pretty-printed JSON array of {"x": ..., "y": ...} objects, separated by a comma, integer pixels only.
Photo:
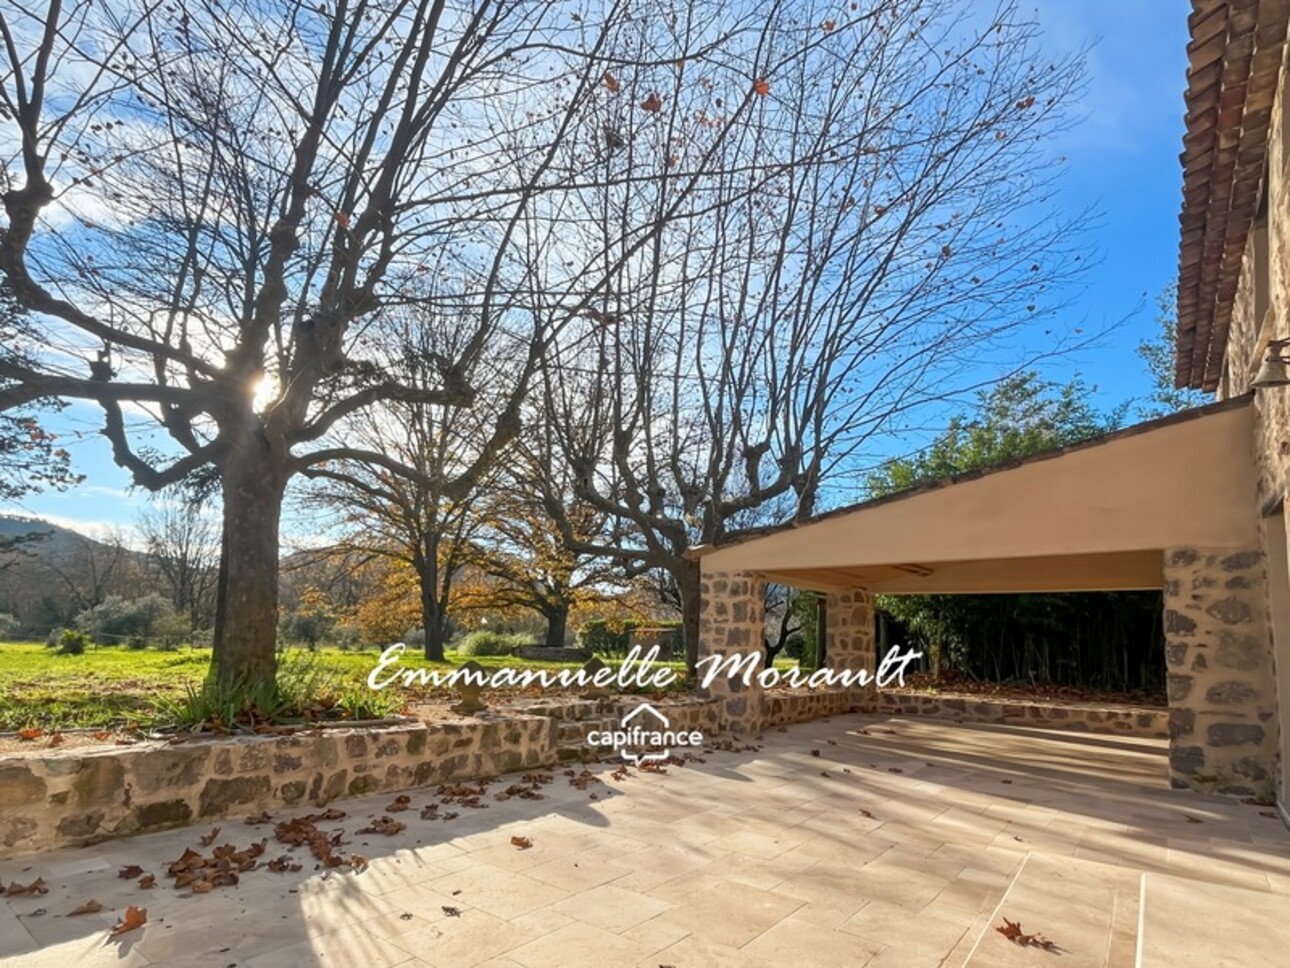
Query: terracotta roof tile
[{"x": 1234, "y": 64}]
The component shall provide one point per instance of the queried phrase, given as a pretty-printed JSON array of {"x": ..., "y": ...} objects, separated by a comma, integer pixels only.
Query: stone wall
[
  {"x": 783, "y": 708},
  {"x": 849, "y": 625},
  {"x": 731, "y": 622},
  {"x": 1116, "y": 720},
  {"x": 1222, "y": 694},
  {"x": 72, "y": 796}
]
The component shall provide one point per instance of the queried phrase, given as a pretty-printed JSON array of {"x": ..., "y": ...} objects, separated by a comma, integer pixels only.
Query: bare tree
[
  {"x": 210, "y": 202},
  {"x": 183, "y": 547},
  {"x": 90, "y": 569},
  {"x": 752, "y": 350}
]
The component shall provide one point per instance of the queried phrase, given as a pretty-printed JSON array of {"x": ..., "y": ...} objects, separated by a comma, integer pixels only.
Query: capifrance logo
[{"x": 644, "y": 735}]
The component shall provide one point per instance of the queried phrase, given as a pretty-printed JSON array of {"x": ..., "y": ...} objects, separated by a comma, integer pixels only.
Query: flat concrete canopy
[{"x": 1095, "y": 516}]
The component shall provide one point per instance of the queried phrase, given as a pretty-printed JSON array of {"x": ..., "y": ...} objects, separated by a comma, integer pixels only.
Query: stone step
[
  {"x": 1196, "y": 924},
  {"x": 1087, "y": 909}
]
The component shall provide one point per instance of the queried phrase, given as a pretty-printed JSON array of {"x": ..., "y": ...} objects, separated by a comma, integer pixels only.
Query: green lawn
[{"x": 116, "y": 686}]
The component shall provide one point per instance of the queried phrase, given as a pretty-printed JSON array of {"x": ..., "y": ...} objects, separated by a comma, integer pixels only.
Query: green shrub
[
  {"x": 72, "y": 642},
  {"x": 484, "y": 643},
  {"x": 795, "y": 647},
  {"x": 598, "y": 637},
  {"x": 9, "y": 626},
  {"x": 118, "y": 619}
]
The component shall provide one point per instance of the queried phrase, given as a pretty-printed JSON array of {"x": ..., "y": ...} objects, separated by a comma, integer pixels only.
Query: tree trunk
[
  {"x": 687, "y": 587},
  {"x": 432, "y": 622},
  {"x": 246, "y": 618},
  {"x": 557, "y": 621}
]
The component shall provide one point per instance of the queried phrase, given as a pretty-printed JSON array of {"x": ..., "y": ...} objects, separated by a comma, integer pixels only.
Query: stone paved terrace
[{"x": 750, "y": 859}]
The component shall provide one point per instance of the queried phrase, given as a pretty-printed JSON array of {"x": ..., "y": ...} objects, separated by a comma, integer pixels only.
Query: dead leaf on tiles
[
  {"x": 27, "y": 735},
  {"x": 824, "y": 773},
  {"x": 147, "y": 882},
  {"x": 523, "y": 843},
  {"x": 134, "y": 917},
  {"x": 89, "y": 907},
  {"x": 1012, "y": 931},
  {"x": 258, "y": 818},
  {"x": 18, "y": 890},
  {"x": 894, "y": 769},
  {"x": 201, "y": 887},
  {"x": 357, "y": 861},
  {"x": 401, "y": 802},
  {"x": 815, "y": 752},
  {"x": 283, "y": 865},
  {"x": 208, "y": 839},
  {"x": 384, "y": 825},
  {"x": 866, "y": 814},
  {"x": 1005, "y": 781},
  {"x": 1009, "y": 929},
  {"x": 129, "y": 872},
  {"x": 452, "y": 912},
  {"x": 1190, "y": 819}
]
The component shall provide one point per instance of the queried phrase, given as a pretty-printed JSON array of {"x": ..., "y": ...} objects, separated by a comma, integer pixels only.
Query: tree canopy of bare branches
[
  {"x": 874, "y": 240},
  {"x": 209, "y": 204}
]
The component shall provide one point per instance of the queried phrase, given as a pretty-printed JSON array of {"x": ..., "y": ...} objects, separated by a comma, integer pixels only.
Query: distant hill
[{"x": 37, "y": 536}]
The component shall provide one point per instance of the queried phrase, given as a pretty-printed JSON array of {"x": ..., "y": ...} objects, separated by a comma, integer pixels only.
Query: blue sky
[{"x": 1122, "y": 161}]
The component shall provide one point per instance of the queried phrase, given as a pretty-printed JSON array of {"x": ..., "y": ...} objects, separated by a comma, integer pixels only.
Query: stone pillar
[
  {"x": 732, "y": 622},
  {"x": 849, "y": 638},
  {"x": 1218, "y": 657}
]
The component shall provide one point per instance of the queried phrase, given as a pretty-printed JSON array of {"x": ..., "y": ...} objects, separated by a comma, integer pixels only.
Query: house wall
[{"x": 1246, "y": 345}]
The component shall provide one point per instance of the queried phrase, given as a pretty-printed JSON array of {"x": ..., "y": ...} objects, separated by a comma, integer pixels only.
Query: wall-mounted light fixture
[{"x": 1273, "y": 371}]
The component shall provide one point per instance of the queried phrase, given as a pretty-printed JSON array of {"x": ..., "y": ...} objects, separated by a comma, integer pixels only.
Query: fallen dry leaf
[
  {"x": 102, "y": 734},
  {"x": 35, "y": 887},
  {"x": 129, "y": 873},
  {"x": 89, "y": 907},
  {"x": 866, "y": 814},
  {"x": 28, "y": 735},
  {"x": 815, "y": 752},
  {"x": 400, "y": 803},
  {"x": 258, "y": 818},
  {"x": 147, "y": 882},
  {"x": 384, "y": 825},
  {"x": 57, "y": 739},
  {"x": 452, "y": 912},
  {"x": 1190, "y": 819},
  {"x": 1012, "y": 931},
  {"x": 134, "y": 918},
  {"x": 208, "y": 839},
  {"x": 523, "y": 843}
]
